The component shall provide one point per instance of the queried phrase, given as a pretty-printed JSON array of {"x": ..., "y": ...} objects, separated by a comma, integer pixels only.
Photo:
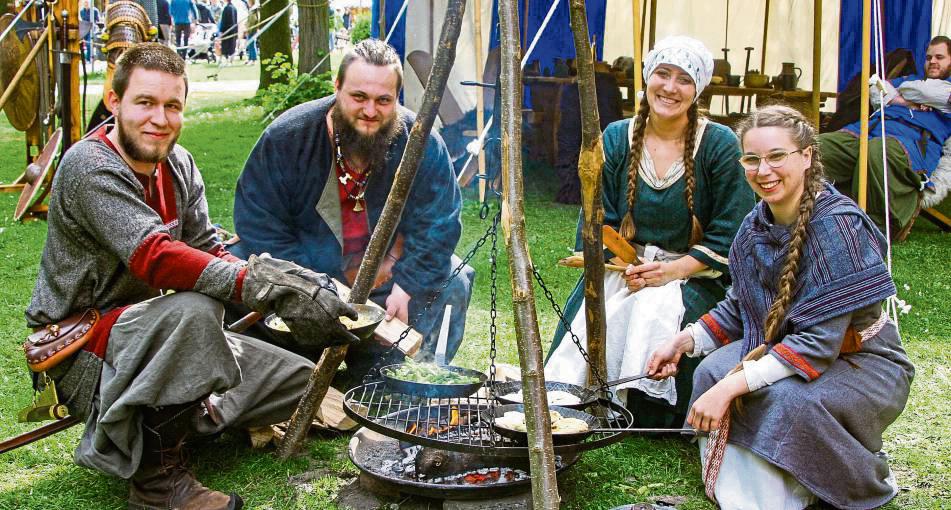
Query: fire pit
[
  {"x": 403, "y": 467},
  {"x": 462, "y": 424}
]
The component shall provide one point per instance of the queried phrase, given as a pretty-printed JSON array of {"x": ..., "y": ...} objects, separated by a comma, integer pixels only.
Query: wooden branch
[
  {"x": 385, "y": 227},
  {"x": 589, "y": 170},
  {"x": 541, "y": 453}
]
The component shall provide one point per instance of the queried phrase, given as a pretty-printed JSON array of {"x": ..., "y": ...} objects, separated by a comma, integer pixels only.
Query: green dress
[{"x": 722, "y": 199}]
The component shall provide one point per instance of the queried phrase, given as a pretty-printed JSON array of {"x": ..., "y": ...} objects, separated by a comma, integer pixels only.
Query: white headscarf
[{"x": 686, "y": 53}]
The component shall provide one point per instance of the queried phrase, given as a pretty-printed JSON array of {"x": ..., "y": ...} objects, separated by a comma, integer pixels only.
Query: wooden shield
[
  {"x": 21, "y": 107},
  {"x": 37, "y": 176}
]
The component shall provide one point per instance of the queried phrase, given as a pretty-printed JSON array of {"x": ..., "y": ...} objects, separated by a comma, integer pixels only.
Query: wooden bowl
[{"x": 756, "y": 80}]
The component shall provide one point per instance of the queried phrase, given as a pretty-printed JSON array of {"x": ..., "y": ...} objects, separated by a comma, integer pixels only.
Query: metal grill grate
[{"x": 460, "y": 424}]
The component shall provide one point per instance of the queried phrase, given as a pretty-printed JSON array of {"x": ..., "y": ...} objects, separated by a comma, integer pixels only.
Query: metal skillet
[
  {"x": 570, "y": 438},
  {"x": 587, "y": 395}
]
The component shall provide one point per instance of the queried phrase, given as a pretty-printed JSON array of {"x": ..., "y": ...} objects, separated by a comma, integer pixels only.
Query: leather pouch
[{"x": 55, "y": 343}]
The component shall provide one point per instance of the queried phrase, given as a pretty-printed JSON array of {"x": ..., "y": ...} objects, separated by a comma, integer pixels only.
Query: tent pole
[
  {"x": 380, "y": 238},
  {"x": 590, "y": 162},
  {"x": 816, "y": 58},
  {"x": 638, "y": 48},
  {"x": 541, "y": 452},
  {"x": 862, "y": 199},
  {"x": 653, "y": 32},
  {"x": 480, "y": 96},
  {"x": 762, "y": 62},
  {"x": 382, "y": 19}
]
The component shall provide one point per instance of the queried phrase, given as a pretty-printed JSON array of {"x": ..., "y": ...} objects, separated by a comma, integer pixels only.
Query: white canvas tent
[{"x": 789, "y": 35}]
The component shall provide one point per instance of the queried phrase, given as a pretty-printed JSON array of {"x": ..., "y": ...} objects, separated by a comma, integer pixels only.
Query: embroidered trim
[
  {"x": 796, "y": 361},
  {"x": 874, "y": 328},
  {"x": 712, "y": 254},
  {"x": 715, "y": 328}
]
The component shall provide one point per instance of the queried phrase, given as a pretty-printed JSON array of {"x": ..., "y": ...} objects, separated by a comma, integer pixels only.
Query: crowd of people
[{"x": 760, "y": 322}]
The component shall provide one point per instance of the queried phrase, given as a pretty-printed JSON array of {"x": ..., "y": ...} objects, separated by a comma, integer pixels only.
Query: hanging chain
[
  {"x": 574, "y": 337},
  {"x": 494, "y": 309},
  {"x": 455, "y": 272}
]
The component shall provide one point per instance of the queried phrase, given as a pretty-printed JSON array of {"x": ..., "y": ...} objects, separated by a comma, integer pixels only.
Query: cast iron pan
[
  {"x": 433, "y": 390},
  {"x": 558, "y": 439},
  {"x": 587, "y": 395}
]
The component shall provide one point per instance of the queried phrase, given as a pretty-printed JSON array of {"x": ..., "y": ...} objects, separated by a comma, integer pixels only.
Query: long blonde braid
[{"x": 628, "y": 229}]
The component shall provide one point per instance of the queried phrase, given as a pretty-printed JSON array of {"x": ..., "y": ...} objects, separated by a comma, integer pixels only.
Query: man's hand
[{"x": 397, "y": 304}]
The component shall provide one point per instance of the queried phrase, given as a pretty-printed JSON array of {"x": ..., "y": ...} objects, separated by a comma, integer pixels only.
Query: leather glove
[{"x": 306, "y": 301}]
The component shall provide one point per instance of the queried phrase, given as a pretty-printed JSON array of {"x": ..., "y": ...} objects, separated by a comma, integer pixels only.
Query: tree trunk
[
  {"x": 276, "y": 39},
  {"x": 541, "y": 454},
  {"x": 314, "y": 22},
  {"x": 383, "y": 232},
  {"x": 589, "y": 171}
]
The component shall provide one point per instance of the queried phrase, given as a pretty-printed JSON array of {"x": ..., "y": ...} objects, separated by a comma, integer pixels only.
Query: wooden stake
[
  {"x": 816, "y": 59},
  {"x": 638, "y": 48},
  {"x": 589, "y": 171},
  {"x": 385, "y": 227},
  {"x": 541, "y": 454},
  {"x": 862, "y": 199},
  {"x": 762, "y": 62},
  {"x": 480, "y": 96}
]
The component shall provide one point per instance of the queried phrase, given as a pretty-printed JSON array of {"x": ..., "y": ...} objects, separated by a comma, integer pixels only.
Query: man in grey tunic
[{"x": 128, "y": 216}]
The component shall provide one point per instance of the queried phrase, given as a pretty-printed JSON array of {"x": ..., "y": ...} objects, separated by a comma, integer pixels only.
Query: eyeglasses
[{"x": 774, "y": 159}]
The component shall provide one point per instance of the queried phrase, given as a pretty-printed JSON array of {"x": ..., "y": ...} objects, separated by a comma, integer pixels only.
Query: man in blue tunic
[
  {"x": 314, "y": 186},
  {"x": 918, "y": 123}
]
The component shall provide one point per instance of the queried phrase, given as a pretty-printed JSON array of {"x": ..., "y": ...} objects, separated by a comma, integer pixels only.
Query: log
[
  {"x": 589, "y": 171},
  {"x": 541, "y": 454},
  {"x": 385, "y": 227}
]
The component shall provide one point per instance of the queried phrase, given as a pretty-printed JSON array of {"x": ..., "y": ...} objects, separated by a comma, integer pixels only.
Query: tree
[
  {"x": 314, "y": 19},
  {"x": 277, "y": 37}
]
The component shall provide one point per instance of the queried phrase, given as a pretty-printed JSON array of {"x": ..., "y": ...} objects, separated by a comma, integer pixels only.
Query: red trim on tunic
[
  {"x": 164, "y": 263},
  {"x": 100, "y": 332},
  {"x": 796, "y": 361},
  {"x": 239, "y": 284},
  {"x": 718, "y": 333}
]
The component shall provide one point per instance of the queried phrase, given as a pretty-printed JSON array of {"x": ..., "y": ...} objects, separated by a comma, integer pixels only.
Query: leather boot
[{"x": 162, "y": 480}]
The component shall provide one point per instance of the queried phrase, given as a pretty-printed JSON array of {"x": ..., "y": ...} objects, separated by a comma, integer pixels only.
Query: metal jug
[{"x": 789, "y": 76}]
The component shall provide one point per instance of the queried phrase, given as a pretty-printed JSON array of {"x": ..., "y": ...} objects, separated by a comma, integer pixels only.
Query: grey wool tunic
[
  {"x": 824, "y": 424},
  {"x": 107, "y": 248}
]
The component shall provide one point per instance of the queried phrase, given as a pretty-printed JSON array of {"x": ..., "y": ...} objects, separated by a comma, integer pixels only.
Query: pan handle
[
  {"x": 624, "y": 380},
  {"x": 685, "y": 431},
  {"x": 240, "y": 325}
]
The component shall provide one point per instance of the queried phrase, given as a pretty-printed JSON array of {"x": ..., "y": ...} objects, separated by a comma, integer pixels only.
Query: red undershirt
[{"x": 356, "y": 226}]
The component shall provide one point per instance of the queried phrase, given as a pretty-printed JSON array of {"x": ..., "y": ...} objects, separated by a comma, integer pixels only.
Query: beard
[
  {"x": 138, "y": 151},
  {"x": 938, "y": 73},
  {"x": 372, "y": 149}
]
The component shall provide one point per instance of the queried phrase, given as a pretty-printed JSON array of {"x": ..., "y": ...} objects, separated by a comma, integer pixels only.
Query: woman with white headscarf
[{"x": 673, "y": 187}]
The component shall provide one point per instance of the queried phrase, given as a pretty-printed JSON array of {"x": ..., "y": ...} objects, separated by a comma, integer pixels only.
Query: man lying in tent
[
  {"x": 314, "y": 186},
  {"x": 918, "y": 123},
  {"x": 128, "y": 217}
]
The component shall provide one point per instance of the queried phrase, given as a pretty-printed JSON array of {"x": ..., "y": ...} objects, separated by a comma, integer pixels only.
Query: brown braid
[
  {"x": 637, "y": 147},
  {"x": 804, "y": 135},
  {"x": 690, "y": 136}
]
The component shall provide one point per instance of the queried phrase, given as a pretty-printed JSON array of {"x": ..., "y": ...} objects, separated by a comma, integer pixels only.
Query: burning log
[
  {"x": 380, "y": 239},
  {"x": 541, "y": 451}
]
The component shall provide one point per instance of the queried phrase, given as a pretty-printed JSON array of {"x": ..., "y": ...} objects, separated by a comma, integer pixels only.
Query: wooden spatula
[{"x": 618, "y": 245}]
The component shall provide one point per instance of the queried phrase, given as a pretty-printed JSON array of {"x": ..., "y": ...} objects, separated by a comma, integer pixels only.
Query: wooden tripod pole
[
  {"x": 541, "y": 454},
  {"x": 862, "y": 197},
  {"x": 589, "y": 171},
  {"x": 383, "y": 232}
]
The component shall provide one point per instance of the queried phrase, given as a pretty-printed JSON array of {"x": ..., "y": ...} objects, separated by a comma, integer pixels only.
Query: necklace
[{"x": 354, "y": 186}]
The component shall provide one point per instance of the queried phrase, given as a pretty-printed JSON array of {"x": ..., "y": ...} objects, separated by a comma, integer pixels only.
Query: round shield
[
  {"x": 36, "y": 176},
  {"x": 21, "y": 106}
]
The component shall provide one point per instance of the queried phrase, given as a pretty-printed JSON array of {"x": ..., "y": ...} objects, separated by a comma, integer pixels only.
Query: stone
[
  {"x": 355, "y": 497},
  {"x": 517, "y": 502}
]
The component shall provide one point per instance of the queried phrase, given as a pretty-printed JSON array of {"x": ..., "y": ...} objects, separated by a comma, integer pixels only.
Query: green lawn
[{"x": 42, "y": 475}]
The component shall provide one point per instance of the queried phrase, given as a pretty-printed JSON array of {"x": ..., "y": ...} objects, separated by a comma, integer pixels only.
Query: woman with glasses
[
  {"x": 672, "y": 186},
  {"x": 805, "y": 371}
]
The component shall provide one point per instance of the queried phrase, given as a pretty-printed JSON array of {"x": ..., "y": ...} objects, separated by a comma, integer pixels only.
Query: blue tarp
[{"x": 907, "y": 25}]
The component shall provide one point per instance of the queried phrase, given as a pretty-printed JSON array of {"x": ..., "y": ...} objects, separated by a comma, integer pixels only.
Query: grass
[{"x": 220, "y": 134}]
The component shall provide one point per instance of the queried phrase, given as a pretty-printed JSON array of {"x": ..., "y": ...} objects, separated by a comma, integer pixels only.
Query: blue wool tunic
[{"x": 829, "y": 417}]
